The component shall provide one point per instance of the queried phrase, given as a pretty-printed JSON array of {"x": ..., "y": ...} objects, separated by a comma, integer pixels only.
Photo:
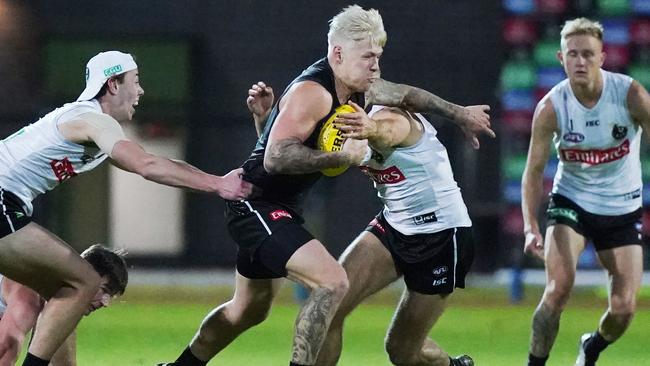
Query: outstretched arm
[
  {"x": 473, "y": 120},
  {"x": 107, "y": 134},
  {"x": 23, "y": 307},
  {"x": 532, "y": 183}
]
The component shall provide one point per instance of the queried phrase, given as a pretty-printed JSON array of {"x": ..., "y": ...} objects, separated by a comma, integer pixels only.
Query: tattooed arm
[
  {"x": 301, "y": 108},
  {"x": 473, "y": 120}
]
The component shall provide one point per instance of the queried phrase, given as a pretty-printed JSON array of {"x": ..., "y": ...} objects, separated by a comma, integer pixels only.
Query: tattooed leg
[
  {"x": 546, "y": 323},
  {"x": 312, "y": 324},
  {"x": 314, "y": 267}
]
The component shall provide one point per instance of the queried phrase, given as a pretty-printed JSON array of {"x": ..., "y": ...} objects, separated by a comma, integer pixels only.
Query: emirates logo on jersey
[
  {"x": 390, "y": 175},
  {"x": 62, "y": 169},
  {"x": 279, "y": 214},
  {"x": 596, "y": 157}
]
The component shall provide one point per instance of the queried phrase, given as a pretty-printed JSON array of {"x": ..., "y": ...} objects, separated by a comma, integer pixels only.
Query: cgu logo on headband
[{"x": 112, "y": 70}]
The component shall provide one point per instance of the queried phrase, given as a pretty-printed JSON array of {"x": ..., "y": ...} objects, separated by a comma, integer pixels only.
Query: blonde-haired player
[
  {"x": 595, "y": 120},
  {"x": 285, "y": 164}
]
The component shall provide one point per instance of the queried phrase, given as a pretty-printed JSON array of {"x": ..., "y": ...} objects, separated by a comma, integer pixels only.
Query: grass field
[{"x": 151, "y": 325}]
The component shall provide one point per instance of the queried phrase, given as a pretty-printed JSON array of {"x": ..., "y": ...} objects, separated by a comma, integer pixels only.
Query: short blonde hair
[
  {"x": 580, "y": 26},
  {"x": 356, "y": 24}
]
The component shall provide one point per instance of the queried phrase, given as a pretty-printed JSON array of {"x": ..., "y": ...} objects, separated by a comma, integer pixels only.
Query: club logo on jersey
[
  {"x": 376, "y": 224},
  {"x": 390, "y": 175},
  {"x": 426, "y": 218},
  {"x": 619, "y": 132},
  {"x": 574, "y": 137},
  {"x": 62, "y": 169},
  {"x": 439, "y": 271},
  {"x": 278, "y": 214},
  {"x": 596, "y": 157}
]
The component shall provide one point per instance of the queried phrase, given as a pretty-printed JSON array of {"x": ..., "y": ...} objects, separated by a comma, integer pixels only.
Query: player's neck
[
  {"x": 108, "y": 107},
  {"x": 588, "y": 94},
  {"x": 342, "y": 91}
]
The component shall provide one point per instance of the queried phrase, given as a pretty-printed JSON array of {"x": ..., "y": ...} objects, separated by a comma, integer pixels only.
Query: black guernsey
[{"x": 291, "y": 189}]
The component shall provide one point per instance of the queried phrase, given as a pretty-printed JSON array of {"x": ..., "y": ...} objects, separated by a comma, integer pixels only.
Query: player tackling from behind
[
  {"x": 66, "y": 142},
  {"x": 595, "y": 119},
  {"x": 285, "y": 163}
]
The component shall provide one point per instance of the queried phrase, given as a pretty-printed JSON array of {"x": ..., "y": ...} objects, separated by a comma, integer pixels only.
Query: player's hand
[
  {"x": 474, "y": 121},
  {"x": 534, "y": 244},
  {"x": 260, "y": 99},
  {"x": 232, "y": 187},
  {"x": 356, "y": 125},
  {"x": 356, "y": 150}
]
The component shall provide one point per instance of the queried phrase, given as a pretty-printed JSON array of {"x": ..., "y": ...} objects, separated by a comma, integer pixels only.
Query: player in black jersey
[{"x": 285, "y": 164}]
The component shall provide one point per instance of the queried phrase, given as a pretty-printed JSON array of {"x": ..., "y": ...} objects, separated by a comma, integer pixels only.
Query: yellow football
[{"x": 330, "y": 139}]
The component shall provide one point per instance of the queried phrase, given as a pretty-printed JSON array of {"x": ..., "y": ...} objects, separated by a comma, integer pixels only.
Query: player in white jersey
[
  {"x": 595, "y": 119},
  {"x": 64, "y": 143},
  {"x": 20, "y": 306},
  {"x": 423, "y": 232}
]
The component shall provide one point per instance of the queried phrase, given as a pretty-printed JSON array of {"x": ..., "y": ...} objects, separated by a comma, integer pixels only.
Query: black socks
[{"x": 31, "y": 360}]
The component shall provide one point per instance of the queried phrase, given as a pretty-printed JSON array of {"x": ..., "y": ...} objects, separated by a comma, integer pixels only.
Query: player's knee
[
  {"x": 557, "y": 296},
  {"x": 249, "y": 314},
  {"x": 337, "y": 282},
  {"x": 622, "y": 309},
  {"x": 255, "y": 315},
  {"x": 399, "y": 355}
]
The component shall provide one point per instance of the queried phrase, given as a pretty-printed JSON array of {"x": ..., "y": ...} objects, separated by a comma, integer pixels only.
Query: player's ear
[
  {"x": 338, "y": 54},
  {"x": 112, "y": 84}
]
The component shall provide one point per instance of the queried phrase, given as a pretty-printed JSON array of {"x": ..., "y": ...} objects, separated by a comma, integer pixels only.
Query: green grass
[{"x": 154, "y": 324}]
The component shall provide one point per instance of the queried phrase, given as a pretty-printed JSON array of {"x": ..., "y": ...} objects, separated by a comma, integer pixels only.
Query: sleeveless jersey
[
  {"x": 598, "y": 149},
  {"x": 417, "y": 186},
  {"x": 291, "y": 189},
  {"x": 37, "y": 158}
]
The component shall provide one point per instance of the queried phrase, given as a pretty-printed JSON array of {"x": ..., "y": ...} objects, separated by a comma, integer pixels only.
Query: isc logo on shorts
[
  {"x": 439, "y": 281},
  {"x": 278, "y": 214}
]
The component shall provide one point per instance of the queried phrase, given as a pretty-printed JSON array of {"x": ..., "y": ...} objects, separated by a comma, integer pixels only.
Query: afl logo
[
  {"x": 573, "y": 137},
  {"x": 619, "y": 132},
  {"x": 440, "y": 271}
]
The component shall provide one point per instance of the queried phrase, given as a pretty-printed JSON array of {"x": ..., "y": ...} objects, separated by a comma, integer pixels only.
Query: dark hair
[
  {"x": 104, "y": 89},
  {"x": 109, "y": 263}
]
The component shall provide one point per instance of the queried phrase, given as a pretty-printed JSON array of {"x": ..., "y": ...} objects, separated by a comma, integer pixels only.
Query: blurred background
[{"x": 198, "y": 58}]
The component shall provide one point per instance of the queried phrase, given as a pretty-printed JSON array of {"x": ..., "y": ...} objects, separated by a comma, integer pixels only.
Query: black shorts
[
  {"x": 606, "y": 232},
  {"x": 266, "y": 234},
  {"x": 12, "y": 213},
  {"x": 431, "y": 263}
]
